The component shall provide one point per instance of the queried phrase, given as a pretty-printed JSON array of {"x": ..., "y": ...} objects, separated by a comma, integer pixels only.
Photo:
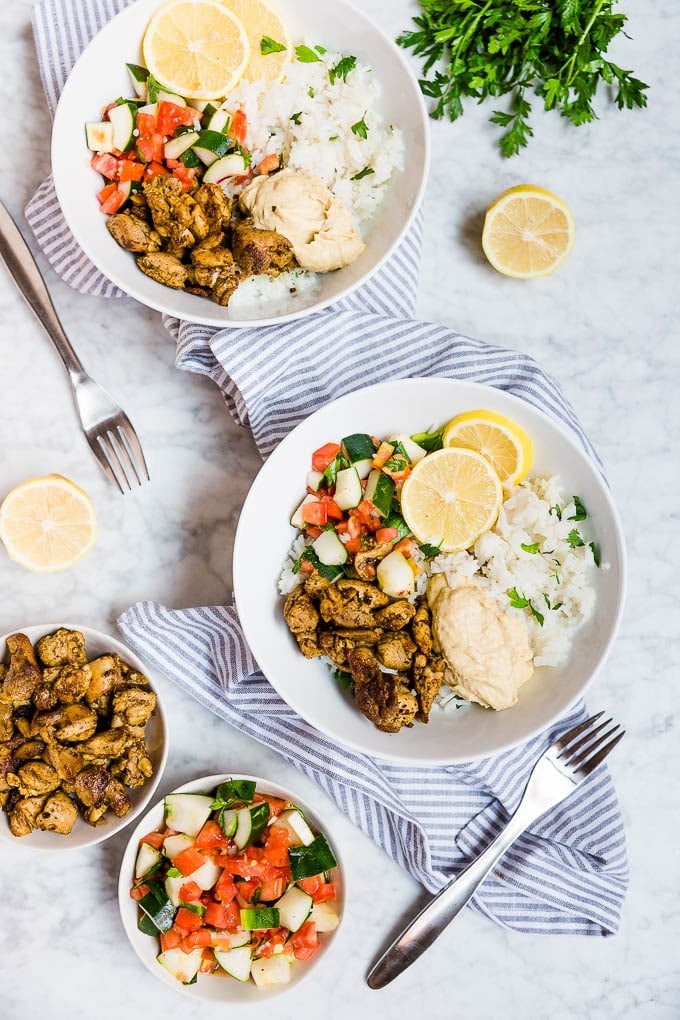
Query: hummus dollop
[
  {"x": 299, "y": 205},
  {"x": 486, "y": 651}
]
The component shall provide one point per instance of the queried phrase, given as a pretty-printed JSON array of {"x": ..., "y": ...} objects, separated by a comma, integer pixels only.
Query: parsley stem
[{"x": 570, "y": 64}]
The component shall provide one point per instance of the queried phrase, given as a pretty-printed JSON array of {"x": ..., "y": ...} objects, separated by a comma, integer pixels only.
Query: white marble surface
[{"x": 604, "y": 325}]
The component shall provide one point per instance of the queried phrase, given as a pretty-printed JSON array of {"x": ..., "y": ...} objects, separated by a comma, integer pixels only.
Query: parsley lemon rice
[
  {"x": 243, "y": 167},
  {"x": 432, "y": 570},
  {"x": 235, "y": 884}
]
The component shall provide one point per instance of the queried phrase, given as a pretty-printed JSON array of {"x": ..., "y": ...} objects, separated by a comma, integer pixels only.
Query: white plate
[
  {"x": 96, "y": 643},
  {"x": 99, "y": 76},
  {"x": 264, "y": 535},
  {"x": 209, "y": 987}
]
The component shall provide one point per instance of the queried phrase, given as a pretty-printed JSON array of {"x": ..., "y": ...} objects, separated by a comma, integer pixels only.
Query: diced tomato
[
  {"x": 405, "y": 547},
  {"x": 353, "y": 528},
  {"x": 367, "y": 515},
  {"x": 238, "y": 127},
  {"x": 185, "y": 174},
  {"x": 170, "y": 939},
  {"x": 151, "y": 149},
  {"x": 225, "y": 889},
  {"x": 210, "y": 837},
  {"x": 314, "y": 513},
  {"x": 190, "y": 892},
  {"x": 138, "y": 891},
  {"x": 269, "y": 163},
  {"x": 154, "y": 839},
  {"x": 326, "y": 891},
  {"x": 189, "y": 860},
  {"x": 305, "y": 941},
  {"x": 170, "y": 116},
  {"x": 306, "y": 567},
  {"x": 342, "y": 527},
  {"x": 186, "y": 921},
  {"x": 276, "y": 804},
  {"x": 200, "y": 937},
  {"x": 382, "y": 455},
  {"x": 106, "y": 192},
  {"x": 353, "y": 545},
  {"x": 333, "y": 511},
  {"x": 105, "y": 164},
  {"x": 113, "y": 202},
  {"x": 130, "y": 171},
  {"x": 310, "y": 885},
  {"x": 172, "y": 164},
  {"x": 322, "y": 457},
  {"x": 276, "y": 847},
  {"x": 398, "y": 476},
  {"x": 217, "y": 915},
  {"x": 146, "y": 125},
  {"x": 275, "y": 937},
  {"x": 313, "y": 532},
  {"x": 386, "y": 535},
  {"x": 208, "y": 961},
  {"x": 153, "y": 169},
  {"x": 272, "y": 889},
  {"x": 245, "y": 890}
]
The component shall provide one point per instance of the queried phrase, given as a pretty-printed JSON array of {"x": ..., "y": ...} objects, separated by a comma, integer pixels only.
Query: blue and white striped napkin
[{"x": 569, "y": 873}]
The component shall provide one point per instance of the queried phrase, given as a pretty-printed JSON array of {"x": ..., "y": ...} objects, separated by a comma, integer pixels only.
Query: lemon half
[
  {"x": 500, "y": 440},
  {"x": 528, "y": 232}
]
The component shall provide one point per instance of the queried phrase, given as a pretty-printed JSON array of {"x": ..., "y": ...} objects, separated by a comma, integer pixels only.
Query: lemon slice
[
  {"x": 47, "y": 524},
  {"x": 500, "y": 440},
  {"x": 527, "y": 232},
  {"x": 263, "y": 22},
  {"x": 451, "y": 497},
  {"x": 196, "y": 48}
]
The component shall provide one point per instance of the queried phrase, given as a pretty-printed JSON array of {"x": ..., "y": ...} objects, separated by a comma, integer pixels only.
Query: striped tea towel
[{"x": 569, "y": 873}]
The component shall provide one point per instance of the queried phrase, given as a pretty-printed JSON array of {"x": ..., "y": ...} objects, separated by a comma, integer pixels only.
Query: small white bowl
[
  {"x": 100, "y": 75},
  {"x": 96, "y": 643},
  {"x": 210, "y": 987}
]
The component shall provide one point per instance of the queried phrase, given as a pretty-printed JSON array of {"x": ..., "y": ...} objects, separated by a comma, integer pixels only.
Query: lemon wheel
[
  {"x": 498, "y": 439},
  {"x": 528, "y": 232}
]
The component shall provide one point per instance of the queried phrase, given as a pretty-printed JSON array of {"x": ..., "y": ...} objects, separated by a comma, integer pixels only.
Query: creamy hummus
[
  {"x": 300, "y": 206},
  {"x": 486, "y": 651}
]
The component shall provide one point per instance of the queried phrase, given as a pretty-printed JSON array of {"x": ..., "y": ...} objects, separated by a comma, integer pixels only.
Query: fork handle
[
  {"x": 28, "y": 278},
  {"x": 426, "y": 926}
]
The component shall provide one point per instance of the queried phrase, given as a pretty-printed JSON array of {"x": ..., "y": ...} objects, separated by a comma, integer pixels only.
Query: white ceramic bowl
[
  {"x": 97, "y": 643},
  {"x": 100, "y": 75},
  {"x": 208, "y": 987},
  {"x": 264, "y": 536}
]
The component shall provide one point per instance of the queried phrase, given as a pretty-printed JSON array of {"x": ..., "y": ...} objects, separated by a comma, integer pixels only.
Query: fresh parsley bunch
[{"x": 553, "y": 48}]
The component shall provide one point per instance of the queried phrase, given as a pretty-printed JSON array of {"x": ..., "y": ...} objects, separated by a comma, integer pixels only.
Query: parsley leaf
[
  {"x": 429, "y": 550},
  {"x": 360, "y": 128},
  {"x": 363, "y": 173},
  {"x": 574, "y": 539},
  {"x": 580, "y": 512},
  {"x": 517, "y": 601},
  {"x": 269, "y": 45},
  {"x": 341, "y": 69},
  {"x": 595, "y": 549},
  {"x": 490, "y": 49},
  {"x": 557, "y": 511},
  {"x": 533, "y": 548},
  {"x": 429, "y": 440},
  {"x": 296, "y": 118},
  {"x": 306, "y": 56}
]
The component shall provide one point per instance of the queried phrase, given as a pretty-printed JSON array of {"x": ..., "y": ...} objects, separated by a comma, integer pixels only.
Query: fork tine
[
  {"x": 111, "y": 453},
  {"x": 570, "y": 748},
  {"x": 586, "y": 767},
  {"x": 101, "y": 457},
  {"x": 134, "y": 444},
  {"x": 129, "y": 459},
  {"x": 580, "y": 754},
  {"x": 571, "y": 734}
]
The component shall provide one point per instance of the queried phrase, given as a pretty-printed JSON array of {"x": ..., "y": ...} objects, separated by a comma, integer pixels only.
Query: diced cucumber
[
  {"x": 173, "y": 884},
  {"x": 413, "y": 451},
  {"x": 358, "y": 446},
  {"x": 256, "y": 918},
  {"x": 200, "y": 104},
  {"x": 272, "y": 971},
  {"x": 229, "y": 821},
  {"x": 146, "y": 925},
  {"x": 183, "y": 966},
  {"x": 212, "y": 145},
  {"x": 151, "y": 109},
  {"x": 206, "y": 876},
  {"x": 380, "y": 491},
  {"x": 173, "y": 845},
  {"x": 158, "y": 906},
  {"x": 176, "y": 146},
  {"x": 148, "y": 859},
  {"x": 235, "y": 961},
  {"x": 209, "y": 108},
  {"x": 233, "y": 165},
  {"x": 171, "y": 97},
  {"x": 187, "y": 812},
  {"x": 123, "y": 120},
  {"x": 296, "y": 518},
  {"x": 219, "y": 121},
  {"x": 251, "y": 822},
  {"x": 307, "y": 861},
  {"x": 324, "y": 917},
  {"x": 189, "y": 158},
  {"x": 232, "y": 939},
  {"x": 138, "y": 77},
  {"x": 299, "y": 832},
  {"x": 294, "y": 908},
  {"x": 363, "y": 467},
  {"x": 314, "y": 480},
  {"x": 348, "y": 491},
  {"x": 330, "y": 549},
  {"x": 395, "y": 576},
  {"x": 99, "y": 136},
  {"x": 236, "y": 791}
]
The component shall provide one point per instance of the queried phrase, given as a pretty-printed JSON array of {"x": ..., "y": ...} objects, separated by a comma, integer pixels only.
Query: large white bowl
[
  {"x": 99, "y": 76},
  {"x": 209, "y": 987},
  {"x": 97, "y": 643},
  {"x": 264, "y": 535}
]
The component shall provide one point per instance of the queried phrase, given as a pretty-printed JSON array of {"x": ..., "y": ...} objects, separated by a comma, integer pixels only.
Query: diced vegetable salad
[
  {"x": 235, "y": 884},
  {"x": 158, "y": 132},
  {"x": 352, "y": 505}
]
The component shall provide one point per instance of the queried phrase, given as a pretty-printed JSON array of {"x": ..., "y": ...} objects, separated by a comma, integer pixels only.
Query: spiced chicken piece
[
  {"x": 164, "y": 268},
  {"x": 215, "y": 205},
  {"x": 396, "y": 650},
  {"x": 34, "y": 778},
  {"x": 308, "y": 644},
  {"x": 59, "y": 814},
  {"x": 105, "y": 675},
  {"x": 316, "y": 585},
  {"x": 132, "y": 706},
  {"x": 66, "y": 761},
  {"x": 72, "y": 683},
  {"x": 28, "y": 749},
  {"x": 23, "y": 813},
  {"x": 132, "y": 233},
  {"x": 421, "y": 628},
  {"x": 62, "y": 648},
  {"x": 104, "y": 746},
  {"x": 261, "y": 251},
  {"x": 428, "y": 674},
  {"x": 23, "y": 673},
  {"x": 300, "y": 612},
  {"x": 396, "y": 616},
  {"x": 365, "y": 593},
  {"x": 384, "y": 698},
  {"x": 44, "y": 697},
  {"x": 366, "y": 561},
  {"x": 68, "y": 724},
  {"x": 6, "y": 723},
  {"x": 90, "y": 785},
  {"x": 134, "y": 767}
]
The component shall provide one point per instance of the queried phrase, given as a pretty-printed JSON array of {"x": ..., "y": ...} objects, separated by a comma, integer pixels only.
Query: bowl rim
[
  {"x": 127, "y": 909},
  {"x": 404, "y": 757},
  {"x": 134, "y": 292},
  {"x": 127, "y": 653}
]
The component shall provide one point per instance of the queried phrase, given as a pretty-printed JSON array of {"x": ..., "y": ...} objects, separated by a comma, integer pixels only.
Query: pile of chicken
[
  {"x": 72, "y": 733},
  {"x": 191, "y": 241},
  {"x": 363, "y": 631}
]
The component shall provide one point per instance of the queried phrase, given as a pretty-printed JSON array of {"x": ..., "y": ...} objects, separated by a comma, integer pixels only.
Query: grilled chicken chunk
[
  {"x": 384, "y": 698},
  {"x": 261, "y": 251},
  {"x": 23, "y": 813},
  {"x": 59, "y": 814},
  {"x": 164, "y": 268},
  {"x": 61, "y": 648},
  {"x": 34, "y": 778},
  {"x": 132, "y": 233},
  {"x": 23, "y": 673}
]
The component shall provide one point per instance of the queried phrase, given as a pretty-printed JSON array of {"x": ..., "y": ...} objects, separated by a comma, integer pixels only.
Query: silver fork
[
  {"x": 559, "y": 770},
  {"x": 108, "y": 430}
]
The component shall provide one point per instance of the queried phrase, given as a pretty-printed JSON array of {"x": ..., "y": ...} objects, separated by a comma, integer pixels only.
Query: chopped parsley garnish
[
  {"x": 429, "y": 440},
  {"x": 320, "y": 49},
  {"x": 363, "y": 173},
  {"x": 574, "y": 539},
  {"x": 558, "y": 605},
  {"x": 580, "y": 512},
  {"x": 344, "y": 679},
  {"x": 296, "y": 117},
  {"x": 429, "y": 550},
  {"x": 517, "y": 601},
  {"x": 269, "y": 45},
  {"x": 305, "y": 55},
  {"x": 595, "y": 549},
  {"x": 533, "y": 548},
  {"x": 534, "y": 612},
  {"x": 330, "y": 573},
  {"x": 557, "y": 511},
  {"x": 360, "y": 128},
  {"x": 341, "y": 69},
  {"x": 333, "y": 138},
  {"x": 310, "y": 92}
]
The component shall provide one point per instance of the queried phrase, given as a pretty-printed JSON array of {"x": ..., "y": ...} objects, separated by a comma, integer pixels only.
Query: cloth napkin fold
[{"x": 569, "y": 873}]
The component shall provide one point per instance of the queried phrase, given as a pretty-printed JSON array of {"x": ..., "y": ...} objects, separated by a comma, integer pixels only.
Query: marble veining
[{"x": 604, "y": 326}]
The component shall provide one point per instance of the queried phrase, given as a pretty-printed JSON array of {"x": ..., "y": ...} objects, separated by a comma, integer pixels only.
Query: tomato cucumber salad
[{"x": 235, "y": 884}]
